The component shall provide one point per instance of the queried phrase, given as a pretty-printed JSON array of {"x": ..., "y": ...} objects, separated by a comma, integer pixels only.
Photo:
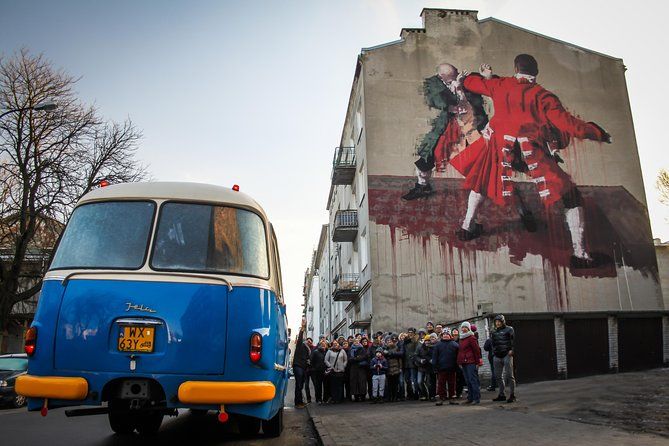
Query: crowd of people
[{"x": 436, "y": 363}]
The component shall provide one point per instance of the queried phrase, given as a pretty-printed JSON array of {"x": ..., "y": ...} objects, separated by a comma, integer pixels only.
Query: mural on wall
[
  {"x": 522, "y": 140},
  {"x": 504, "y": 136}
]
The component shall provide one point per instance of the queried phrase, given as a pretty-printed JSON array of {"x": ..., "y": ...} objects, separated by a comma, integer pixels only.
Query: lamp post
[{"x": 42, "y": 106}]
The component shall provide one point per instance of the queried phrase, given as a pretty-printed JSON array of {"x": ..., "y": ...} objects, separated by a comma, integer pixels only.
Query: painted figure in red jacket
[{"x": 529, "y": 124}]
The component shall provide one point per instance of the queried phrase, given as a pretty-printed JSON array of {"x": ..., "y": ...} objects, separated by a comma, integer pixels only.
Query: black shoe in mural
[
  {"x": 529, "y": 221},
  {"x": 596, "y": 260},
  {"x": 465, "y": 235},
  {"x": 419, "y": 191}
]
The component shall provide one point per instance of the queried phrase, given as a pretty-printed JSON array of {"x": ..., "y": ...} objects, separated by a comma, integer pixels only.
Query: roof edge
[
  {"x": 511, "y": 25},
  {"x": 382, "y": 45}
]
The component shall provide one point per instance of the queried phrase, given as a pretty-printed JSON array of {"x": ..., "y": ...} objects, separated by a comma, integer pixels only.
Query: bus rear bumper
[
  {"x": 58, "y": 387},
  {"x": 217, "y": 392}
]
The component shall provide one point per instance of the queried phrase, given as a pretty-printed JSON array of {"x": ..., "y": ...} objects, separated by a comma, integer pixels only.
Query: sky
[{"x": 255, "y": 92}]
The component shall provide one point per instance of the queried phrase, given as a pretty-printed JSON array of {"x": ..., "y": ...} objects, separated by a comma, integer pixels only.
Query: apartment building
[{"x": 406, "y": 244}]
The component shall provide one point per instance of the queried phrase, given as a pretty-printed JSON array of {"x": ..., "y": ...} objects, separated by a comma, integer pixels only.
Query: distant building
[
  {"x": 35, "y": 263},
  {"x": 562, "y": 263}
]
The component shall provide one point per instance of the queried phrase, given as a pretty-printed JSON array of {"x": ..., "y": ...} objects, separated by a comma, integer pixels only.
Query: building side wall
[{"x": 420, "y": 270}]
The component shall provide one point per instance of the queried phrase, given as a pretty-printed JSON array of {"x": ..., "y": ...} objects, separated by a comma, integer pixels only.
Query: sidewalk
[{"x": 621, "y": 409}]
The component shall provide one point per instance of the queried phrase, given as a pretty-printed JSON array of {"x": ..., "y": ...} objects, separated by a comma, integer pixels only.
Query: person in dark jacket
[
  {"x": 307, "y": 373},
  {"x": 374, "y": 345},
  {"x": 469, "y": 358},
  {"x": 422, "y": 360},
  {"x": 459, "y": 375},
  {"x": 488, "y": 348},
  {"x": 300, "y": 364},
  {"x": 410, "y": 370},
  {"x": 359, "y": 360},
  {"x": 502, "y": 348},
  {"x": 401, "y": 396},
  {"x": 394, "y": 357},
  {"x": 317, "y": 368},
  {"x": 379, "y": 368},
  {"x": 444, "y": 360},
  {"x": 346, "y": 347}
]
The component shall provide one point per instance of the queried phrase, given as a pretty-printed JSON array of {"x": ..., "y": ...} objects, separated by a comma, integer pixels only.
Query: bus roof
[{"x": 172, "y": 191}]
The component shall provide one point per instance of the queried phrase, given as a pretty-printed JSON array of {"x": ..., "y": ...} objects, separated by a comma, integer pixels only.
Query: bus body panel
[
  {"x": 189, "y": 331},
  {"x": 92, "y": 356}
]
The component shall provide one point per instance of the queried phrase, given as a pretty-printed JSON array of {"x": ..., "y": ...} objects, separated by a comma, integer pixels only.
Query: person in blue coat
[{"x": 444, "y": 361}]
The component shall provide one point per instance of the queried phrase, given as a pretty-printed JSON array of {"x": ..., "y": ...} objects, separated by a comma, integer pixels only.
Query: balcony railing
[
  {"x": 347, "y": 288},
  {"x": 343, "y": 166},
  {"x": 345, "y": 226}
]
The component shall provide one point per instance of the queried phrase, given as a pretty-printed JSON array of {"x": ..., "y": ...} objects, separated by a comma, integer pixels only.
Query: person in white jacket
[{"x": 335, "y": 364}]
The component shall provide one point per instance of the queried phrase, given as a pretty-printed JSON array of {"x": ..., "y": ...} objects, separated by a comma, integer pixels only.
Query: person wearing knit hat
[
  {"x": 475, "y": 331},
  {"x": 444, "y": 360},
  {"x": 379, "y": 367},
  {"x": 469, "y": 358},
  {"x": 502, "y": 348}
]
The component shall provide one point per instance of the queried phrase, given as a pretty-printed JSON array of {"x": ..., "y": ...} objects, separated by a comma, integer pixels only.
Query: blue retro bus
[{"x": 162, "y": 296}]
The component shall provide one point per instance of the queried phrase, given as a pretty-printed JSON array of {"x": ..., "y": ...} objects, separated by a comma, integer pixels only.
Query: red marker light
[
  {"x": 255, "y": 352},
  {"x": 104, "y": 183},
  {"x": 235, "y": 188},
  {"x": 30, "y": 341}
]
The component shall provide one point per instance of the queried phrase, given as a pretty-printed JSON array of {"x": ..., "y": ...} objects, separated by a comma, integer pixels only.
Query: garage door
[
  {"x": 587, "y": 345},
  {"x": 535, "y": 356},
  {"x": 639, "y": 343}
]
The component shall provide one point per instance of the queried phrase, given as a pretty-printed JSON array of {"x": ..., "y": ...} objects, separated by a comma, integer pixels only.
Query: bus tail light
[
  {"x": 30, "y": 341},
  {"x": 255, "y": 350}
]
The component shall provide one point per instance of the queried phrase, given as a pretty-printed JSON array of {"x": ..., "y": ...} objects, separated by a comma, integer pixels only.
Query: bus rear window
[
  {"x": 206, "y": 238},
  {"x": 113, "y": 234}
]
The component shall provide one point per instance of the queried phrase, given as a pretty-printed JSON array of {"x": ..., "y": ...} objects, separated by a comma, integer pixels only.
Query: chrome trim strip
[
  {"x": 137, "y": 321},
  {"x": 150, "y": 273}
]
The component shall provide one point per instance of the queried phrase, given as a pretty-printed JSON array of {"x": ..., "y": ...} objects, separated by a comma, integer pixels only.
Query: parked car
[{"x": 11, "y": 366}]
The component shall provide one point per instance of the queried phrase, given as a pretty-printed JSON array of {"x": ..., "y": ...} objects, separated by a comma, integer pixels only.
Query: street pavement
[
  {"x": 20, "y": 427},
  {"x": 621, "y": 409}
]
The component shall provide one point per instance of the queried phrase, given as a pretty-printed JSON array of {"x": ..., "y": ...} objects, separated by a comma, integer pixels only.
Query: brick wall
[
  {"x": 613, "y": 343},
  {"x": 560, "y": 348}
]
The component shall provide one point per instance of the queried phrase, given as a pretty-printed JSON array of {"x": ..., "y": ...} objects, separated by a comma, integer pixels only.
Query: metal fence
[{"x": 346, "y": 219}]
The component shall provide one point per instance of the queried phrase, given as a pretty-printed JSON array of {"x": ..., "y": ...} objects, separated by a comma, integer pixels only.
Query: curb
[{"x": 323, "y": 434}]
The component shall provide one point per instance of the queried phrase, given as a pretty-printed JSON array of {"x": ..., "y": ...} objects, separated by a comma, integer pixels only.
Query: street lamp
[{"x": 42, "y": 106}]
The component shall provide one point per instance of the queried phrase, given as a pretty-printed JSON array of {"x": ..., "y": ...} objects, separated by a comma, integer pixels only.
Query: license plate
[{"x": 136, "y": 338}]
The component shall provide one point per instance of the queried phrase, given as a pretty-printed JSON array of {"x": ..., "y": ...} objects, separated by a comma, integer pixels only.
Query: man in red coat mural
[{"x": 529, "y": 124}]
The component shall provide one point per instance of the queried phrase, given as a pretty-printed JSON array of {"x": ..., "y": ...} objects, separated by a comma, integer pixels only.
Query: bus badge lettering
[{"x": 131, "y": 306}]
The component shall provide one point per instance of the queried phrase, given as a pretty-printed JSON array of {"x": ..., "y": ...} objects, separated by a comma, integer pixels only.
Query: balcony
[
  {"x": 343, "y": 166},
  {"x": 362, "y": 324},
  {"x": 345, "y": 226},
  {"x": 347, "y": 288}
]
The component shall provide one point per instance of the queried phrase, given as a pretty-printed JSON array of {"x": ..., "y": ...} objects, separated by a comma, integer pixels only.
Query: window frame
[
  {"x": 149, "y": 264},
  {"x": 149, "y": 241}
]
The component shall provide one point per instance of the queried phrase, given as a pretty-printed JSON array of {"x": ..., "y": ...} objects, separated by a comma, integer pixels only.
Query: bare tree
[
  {"x": 49, "y": 159},
  {"x": 662, "y": 185}
]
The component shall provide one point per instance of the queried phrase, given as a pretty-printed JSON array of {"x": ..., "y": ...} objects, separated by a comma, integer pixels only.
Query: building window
[{"x": 364, "y": 254}]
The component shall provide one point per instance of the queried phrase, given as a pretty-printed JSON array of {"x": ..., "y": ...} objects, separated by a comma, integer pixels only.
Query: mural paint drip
[{"x": 619, "y": 222}]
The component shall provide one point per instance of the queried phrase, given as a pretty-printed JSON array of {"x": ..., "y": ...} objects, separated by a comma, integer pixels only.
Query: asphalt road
[{"x": 20, "y": 427}]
